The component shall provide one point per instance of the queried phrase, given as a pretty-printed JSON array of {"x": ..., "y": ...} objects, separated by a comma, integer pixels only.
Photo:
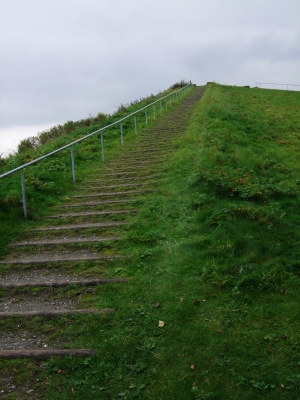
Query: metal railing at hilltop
[
  {"x": 288, "y": 86},
  {"x": 168, "y": 97}
]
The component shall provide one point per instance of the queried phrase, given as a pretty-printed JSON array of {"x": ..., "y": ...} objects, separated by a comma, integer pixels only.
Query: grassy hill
[{"x": 214, "y": 257}]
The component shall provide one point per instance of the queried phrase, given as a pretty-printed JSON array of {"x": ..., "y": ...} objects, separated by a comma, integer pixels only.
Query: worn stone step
[
  {"x": 57, "y": 258},
  {"x": 126, "y": 166},
  {"x": 128, "y": 175},
  {"x": 82, "y": 282},
  {"x": 161, "y": 137},
  {"x": 54, "y": 313},
  {"x": 145, "y": 157},
  {"x": 133, "y": 174},
  {"x": 141, "y": 159},
  {"x": 145, "y": 149},
  {"x": 92, "y": 213},
  {"x": 89, "y": 217},
  {"x": 142, "y": 179},
  {"x": 132, "y": 162},
  {"x": 107, "y": 189},
  {"x": 62, "y": 241},
  {"x": 97, "y": 203},
  {"x": 111, "y": 194},
  {"x": 123, "y": 185},
  {"x": 81, "y": 226},
  {"x": 136, "y": 150},
  {"x": 136, "y": 168},
  {"x": 126, "y": 163},
  {"x": 159, "y": 132},
  {"x": 44, "y": 354},
  {"x": 145, "y": 162},
  {"x": 133, "y": 156},
  {"x": 120, "y": 181},
  {"x": 160, "y": 157}
]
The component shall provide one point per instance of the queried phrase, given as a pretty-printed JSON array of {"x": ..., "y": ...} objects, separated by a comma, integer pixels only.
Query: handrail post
[
  {"x": 154, "y": 114},
  {"x": 73, "y": 166},
  {"x": 160, "y": 105},
  {"x": 102, "y": 145},
  {"x": 146, "y": 115},
  {"x": 23, "y": 195},
  {"x": 166, "y": 104},
  {"x": 135, "y": 124},
  {"x": 122, "y": 139}
]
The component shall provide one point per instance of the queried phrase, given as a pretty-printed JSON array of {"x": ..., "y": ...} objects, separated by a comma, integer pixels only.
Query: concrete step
[
  {"x": 131, "y": 179},
  {"x": 96, "y": 203},
  {"x": 128, "y": 174},
  {"x": 81, "y": 226},
  {"x": 63, "y": 241},
  {"x": 124, "y": 185},
  {"x": 14, "y": 354},
  {"x": 54, "y": 313},
  {"x": 132, "y": 168},
  {"x": 82, "y": 282},
  {"x": 113, "y": 194},
  {"x": 57, "y": 258},
  {"x": 92, "y": 214}
]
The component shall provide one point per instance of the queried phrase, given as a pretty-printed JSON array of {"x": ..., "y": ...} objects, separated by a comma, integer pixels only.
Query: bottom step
[
  {"x": 54, "y": 313},
  {"x": 90, "y": 282},
  {"x": 10, "y": 354}
]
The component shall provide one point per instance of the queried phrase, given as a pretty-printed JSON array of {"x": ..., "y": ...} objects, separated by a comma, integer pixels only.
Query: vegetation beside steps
[{"x": 210, "y": 308}]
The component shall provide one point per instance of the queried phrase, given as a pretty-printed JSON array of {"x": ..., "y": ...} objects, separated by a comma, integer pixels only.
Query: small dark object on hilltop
[{"x": 180, "y": 84}]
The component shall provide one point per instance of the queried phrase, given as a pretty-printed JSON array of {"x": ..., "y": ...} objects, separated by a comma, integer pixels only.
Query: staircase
[{"x": 84, "y": 231}]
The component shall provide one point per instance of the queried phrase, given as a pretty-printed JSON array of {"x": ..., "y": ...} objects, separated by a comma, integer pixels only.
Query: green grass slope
[
  {"x": 215, "y": 258},
  {"x": 227, "y": 273}
]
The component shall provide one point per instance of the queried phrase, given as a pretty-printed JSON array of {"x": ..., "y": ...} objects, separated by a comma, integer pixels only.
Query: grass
[{"x": 215, "y": 256}]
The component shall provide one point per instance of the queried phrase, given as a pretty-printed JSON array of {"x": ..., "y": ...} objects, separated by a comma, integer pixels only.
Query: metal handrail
[
  {"x": 277, "y": 84},
  {"x": 89, "y": 135},
  {"x": 22, "y": 167}
]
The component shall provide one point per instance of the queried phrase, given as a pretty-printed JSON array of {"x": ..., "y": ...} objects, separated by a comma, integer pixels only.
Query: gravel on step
[
  {"x": 23, "y": 302},
  {"x": 62, "y": 241},
  {"x": 23, "y": 340},
  {"x": 41, "y": 275}
]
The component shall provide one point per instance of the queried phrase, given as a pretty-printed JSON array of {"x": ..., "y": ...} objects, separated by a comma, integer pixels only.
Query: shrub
[
  {"x": 180, "y": 84},
  {"x": 28, "y": 144}
]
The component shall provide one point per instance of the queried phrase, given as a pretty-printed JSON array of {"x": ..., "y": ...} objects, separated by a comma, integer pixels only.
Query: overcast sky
[{"x": 66, "y": 59}]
